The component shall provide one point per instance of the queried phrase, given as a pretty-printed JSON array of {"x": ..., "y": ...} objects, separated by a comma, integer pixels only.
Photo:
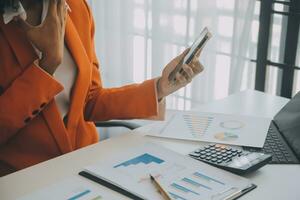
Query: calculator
[{"x": 231, "y": 158}]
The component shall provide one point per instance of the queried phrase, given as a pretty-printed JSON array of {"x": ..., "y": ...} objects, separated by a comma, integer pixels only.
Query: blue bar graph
[
  {"x": 80, "y": 195},
  {"x": 145, "y": 158},
  {"x": 197, "y": 174},
  {"x": 183, "y": 189},
  {"x": 194, "y": 183},
  {"x": 175, "y": 196}
]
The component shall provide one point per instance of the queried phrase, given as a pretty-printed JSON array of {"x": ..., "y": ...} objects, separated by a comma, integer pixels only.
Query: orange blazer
[{"x": 31, "y": 128}]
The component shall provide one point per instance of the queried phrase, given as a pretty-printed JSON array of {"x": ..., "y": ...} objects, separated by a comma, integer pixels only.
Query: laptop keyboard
[{"x": 277, "y": 147}]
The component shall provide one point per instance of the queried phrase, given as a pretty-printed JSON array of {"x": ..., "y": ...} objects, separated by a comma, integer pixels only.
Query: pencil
[{"x": 160, "y": 189}]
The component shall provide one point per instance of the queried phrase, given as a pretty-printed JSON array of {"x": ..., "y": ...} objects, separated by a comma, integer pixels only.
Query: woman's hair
[{"x": 8, "y": 3}]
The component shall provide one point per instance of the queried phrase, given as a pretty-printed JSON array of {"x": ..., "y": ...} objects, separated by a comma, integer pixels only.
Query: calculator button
[
  {"x": 194, "y": 154},
  {"x": 229, "y": 153},
  {"x": 224, "y": 158},
  {"x": 214, "y": 160}
]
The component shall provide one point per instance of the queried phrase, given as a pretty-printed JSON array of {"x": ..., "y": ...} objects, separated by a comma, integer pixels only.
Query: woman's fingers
[
  {"x": 185, "y": 76},
  {"x": 179, "y": 58},
  {"x": 187, "y": 72},
  {"x": 197, "y": 67},
  {"x": 180, "y": 79}
]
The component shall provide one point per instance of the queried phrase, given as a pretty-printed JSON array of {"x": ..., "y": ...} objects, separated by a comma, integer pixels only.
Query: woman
[{"x": 50, "y": 87}]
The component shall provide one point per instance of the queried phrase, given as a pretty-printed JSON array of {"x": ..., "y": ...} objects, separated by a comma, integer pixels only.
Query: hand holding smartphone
[{"x": 198, "y": 45}]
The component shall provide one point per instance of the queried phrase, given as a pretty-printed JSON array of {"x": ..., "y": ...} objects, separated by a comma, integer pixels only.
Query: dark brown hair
[{"x": 8, "y": 3}]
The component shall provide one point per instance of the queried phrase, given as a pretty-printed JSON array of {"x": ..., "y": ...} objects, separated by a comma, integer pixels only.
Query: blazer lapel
[
  {"x": 25, "y": 54},
  {"x": 81, "y": 86}
]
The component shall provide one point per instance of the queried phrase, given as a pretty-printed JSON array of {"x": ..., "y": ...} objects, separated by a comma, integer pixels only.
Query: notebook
[
  {"x": 283, "y": 138},
  {"x": 127, "y": 172}
]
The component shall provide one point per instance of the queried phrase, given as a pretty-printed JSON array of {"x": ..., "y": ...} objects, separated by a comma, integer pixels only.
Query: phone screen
[
  {"x": 200, "y": 42},
  {"x": 197, "y": 45}
]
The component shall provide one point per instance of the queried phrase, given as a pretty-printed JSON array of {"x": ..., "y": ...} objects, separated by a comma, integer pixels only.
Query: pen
[{"x": 160, "y": 189}]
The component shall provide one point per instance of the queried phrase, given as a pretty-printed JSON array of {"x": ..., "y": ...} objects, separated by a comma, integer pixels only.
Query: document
[
  {"x": 73, "y": 188},
  {"x": 182, "y": 177},
  {"x": 213, "y": 127}
]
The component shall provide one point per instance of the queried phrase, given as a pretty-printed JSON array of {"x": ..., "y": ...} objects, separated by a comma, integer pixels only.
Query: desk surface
[{"x": 274, "y": 181}]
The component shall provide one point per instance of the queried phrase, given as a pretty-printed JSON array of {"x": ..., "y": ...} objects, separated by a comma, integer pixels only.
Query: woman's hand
[
  {"x": 49, "y": 36},
  {"x": 188, "y": 72}
]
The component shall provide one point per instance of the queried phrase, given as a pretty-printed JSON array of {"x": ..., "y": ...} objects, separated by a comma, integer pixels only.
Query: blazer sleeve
[
  {"x": 24, "y": 99},
  {"x": 129, "y": 102}
]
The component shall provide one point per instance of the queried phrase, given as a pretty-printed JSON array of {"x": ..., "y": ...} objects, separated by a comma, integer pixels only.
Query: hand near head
[
  {"x": 49, "y": 36},
  {"x": 184, "y": 77}
]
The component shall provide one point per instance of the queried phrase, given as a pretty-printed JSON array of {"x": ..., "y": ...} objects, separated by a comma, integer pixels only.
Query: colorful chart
[
  {"x": 181, "y": 177},
  {"x": 145, "y": 158},
  {"x": 207, "y": 178},
  {"x": 71, "y": 188},
  {"x": 183, "y": 189},
  {"x": 232, "y": 125},
  {"x": 226, "y": 136},
  {"x": 194, "y": 185},
  {"x": 82, "y": 194},
  {"x": 198, "y": 125},
  {"x": 176, "y": 196}
]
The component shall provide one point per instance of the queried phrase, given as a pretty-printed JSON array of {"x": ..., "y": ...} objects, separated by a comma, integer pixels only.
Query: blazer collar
[{"x": 22, "y": 48}]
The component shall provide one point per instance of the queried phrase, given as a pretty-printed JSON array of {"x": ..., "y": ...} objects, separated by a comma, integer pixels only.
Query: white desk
[{"x": 274, "y": 181}]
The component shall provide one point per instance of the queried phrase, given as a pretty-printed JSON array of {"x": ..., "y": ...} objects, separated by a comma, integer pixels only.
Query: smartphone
[{"x": 199, "y": 44}]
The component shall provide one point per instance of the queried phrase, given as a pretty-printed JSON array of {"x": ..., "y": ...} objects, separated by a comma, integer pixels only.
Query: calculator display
[{"x": 246, "y": 160}]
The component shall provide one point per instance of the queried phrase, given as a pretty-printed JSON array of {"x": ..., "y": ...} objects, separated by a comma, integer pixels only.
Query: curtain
[{"x": 135, "y": 39}]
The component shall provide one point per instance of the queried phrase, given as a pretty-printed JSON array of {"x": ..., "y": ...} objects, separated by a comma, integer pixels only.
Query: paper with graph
[
  {"x": 72, "y": 188},
  {"x": 213, "y": 127},
  {"x": 182, "y": 177}
]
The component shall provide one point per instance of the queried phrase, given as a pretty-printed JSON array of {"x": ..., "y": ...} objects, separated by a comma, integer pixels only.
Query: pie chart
[
  {"x": 232, "y": 124},
  {"x": 226, "y": 136}
]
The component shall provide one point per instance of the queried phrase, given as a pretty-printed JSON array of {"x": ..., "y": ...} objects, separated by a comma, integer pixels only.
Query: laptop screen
[{"x": 288, "y": 123}]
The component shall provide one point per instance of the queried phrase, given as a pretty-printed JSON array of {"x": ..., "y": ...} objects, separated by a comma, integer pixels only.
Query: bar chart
[
  {"x": 71, "y": 188},
  {"x": 192, "y": 185},
  {"x": 83, "y": 195},
  {"x": 145, "y": 159},
  {"x": 181, "y": 177},
  {"x": 198, "y": 125}
]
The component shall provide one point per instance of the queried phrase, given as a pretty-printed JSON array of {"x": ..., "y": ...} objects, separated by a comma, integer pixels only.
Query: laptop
[{"x": 283, "y": 138}]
